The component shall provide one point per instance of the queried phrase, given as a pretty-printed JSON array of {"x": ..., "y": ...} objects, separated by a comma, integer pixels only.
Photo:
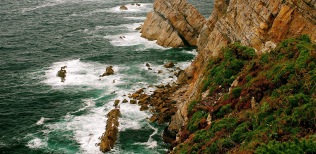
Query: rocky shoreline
[{"x": 177, "y": 23}]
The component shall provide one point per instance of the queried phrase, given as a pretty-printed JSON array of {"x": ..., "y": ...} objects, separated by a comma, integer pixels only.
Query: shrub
[
  {"x": 194, "y": 122},
  {"x": 236, "y": 92},
  {"x": 240, "y": 132},
  {"x": 223, "y": 111},
  {"x": 294, "y": 147}
]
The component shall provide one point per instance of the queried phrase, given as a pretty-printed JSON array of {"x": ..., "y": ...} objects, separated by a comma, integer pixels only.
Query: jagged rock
[
  {"x": 144, "y": 107},
  {"x": 125, "y": 101},
  {"x": 171, "y": 21},
  {"x": 123, "y": 7},
  {"x": 133, "y": 101},
  {"x": 139, "y": 91},
  {"x": 109, "y": 71},
  {"x": 62, "y": 73},
  {"x": 139, "y": 28},
  {"x": 110, "y": 136},
  {"x": 135, "y": 95},
  {"x": 169, "y": 65},
  {"x": 159, "y": 71},
  {"x": 147, "y": 65},
  {"x": 116, "y": 103}
]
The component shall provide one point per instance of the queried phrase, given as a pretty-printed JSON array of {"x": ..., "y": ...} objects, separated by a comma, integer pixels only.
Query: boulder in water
[
  {"x": 169, "y": 65},
  {"x": 123, "y": 7},
  {"x": 62, "y": 73},
  {"x": 109, "y": 71}
]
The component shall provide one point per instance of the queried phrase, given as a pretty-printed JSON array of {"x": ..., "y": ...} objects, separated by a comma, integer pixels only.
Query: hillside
[{"x": 270, "y": 107}]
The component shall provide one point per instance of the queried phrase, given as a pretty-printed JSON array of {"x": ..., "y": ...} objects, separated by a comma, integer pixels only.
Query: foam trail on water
[
  {"x": 81, "y": 74},
  {"x": 42, "y": 120},
  {"x": 87, "y": 128},
  {"x": 36, "y": 143},
  {"x": 144, "y": 7},
  {"x": 136, "y": 18}
]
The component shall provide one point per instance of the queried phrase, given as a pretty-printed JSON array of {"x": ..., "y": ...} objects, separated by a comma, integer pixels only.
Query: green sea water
[{"x": 41, "y": 114}]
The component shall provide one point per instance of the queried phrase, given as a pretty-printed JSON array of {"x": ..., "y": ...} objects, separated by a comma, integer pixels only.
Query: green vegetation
[
  {"x": 223, "y": 69},
  {"x": 271, "y": 110}
]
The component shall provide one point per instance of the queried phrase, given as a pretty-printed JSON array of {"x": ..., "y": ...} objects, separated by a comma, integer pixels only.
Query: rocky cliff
[
  {"x": 173, "y": 23},
  {"x": 258, "y": 24}
]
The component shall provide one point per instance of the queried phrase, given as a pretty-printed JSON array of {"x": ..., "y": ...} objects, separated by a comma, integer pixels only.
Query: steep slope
[
  {"x": 255, "y": 103},
  {"x": 258, "y": 24}
]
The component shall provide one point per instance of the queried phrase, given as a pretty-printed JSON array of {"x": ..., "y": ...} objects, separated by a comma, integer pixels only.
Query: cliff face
[
  {"x": 259, "y": 24},
  {"x": 173, "y": 23}
]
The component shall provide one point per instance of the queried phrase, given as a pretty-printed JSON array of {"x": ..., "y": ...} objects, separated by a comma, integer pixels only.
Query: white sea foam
[
  {"x": 81, "y": 74},
  {"x": 87, "y": 128},
  {"x": 144, "y": 7},
  {"x": 36, "y": 143},
  {"x": 51, "y": 3},
  {"x": 132, "y": 117},
  {"x": 132, "y": 39},
  {"x": 136, "y": 18},
  {"x": 42, "y": 120}
]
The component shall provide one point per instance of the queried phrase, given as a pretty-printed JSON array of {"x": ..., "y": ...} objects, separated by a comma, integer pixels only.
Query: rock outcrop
[
  {"x": 62, "y": 73},
  {"x": 258, "y": 24},
  {"x": 109, "y": 71},
  {"x": 109, "y": 138},
  {"x": 173, "y": 23}
]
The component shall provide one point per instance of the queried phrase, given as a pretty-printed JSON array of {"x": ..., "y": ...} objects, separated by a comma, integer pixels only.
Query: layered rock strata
[{"x": 173, "y": 23}]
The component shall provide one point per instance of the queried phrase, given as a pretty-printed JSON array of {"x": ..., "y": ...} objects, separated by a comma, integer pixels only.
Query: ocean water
[{"x": 41, "y": 114}]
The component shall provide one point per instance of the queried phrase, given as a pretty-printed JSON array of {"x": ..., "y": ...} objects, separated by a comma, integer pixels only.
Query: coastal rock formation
[
  {"x": 173, "y": 23},
  {"x": 123, "y": 7},
  {"x": 62, "y": 73},
  {"x": 109, "y": 71},
  {"x": 258, "y": 24},
  {"x": 110, "y": 136}
]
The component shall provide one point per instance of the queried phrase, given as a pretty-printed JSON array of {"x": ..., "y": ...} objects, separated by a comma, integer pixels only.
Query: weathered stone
[
  {"x": 139, "y": 91},
  {"x": 109, "y": 71},
  {"x": 135, "y": 95},
  {"x": 62, "y": 73},
  {"x": 116, "y": 103},
  {"x": 169, "y": 65},
  {"x": 123, "y": 7},
  {"x": 144, "y": 107},
  {"x": 171, "y": 21},
  {"x": 147, "y": 65},
  {"x": 133, "y": 101},
  {"x": 139, "y": 28},
  {"x": 110, "y": 136},
  {"x": 125, "y": 101}
]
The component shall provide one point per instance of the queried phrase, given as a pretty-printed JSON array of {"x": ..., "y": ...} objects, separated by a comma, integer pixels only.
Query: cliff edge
[
  {"x": 260, "y": 25},
  {"x": 173, "y": 23}
]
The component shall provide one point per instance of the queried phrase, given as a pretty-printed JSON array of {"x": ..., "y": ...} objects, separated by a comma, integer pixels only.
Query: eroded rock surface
[
  {"x": 173, "y": 23},
  {"x": 109, "y": 138}
]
